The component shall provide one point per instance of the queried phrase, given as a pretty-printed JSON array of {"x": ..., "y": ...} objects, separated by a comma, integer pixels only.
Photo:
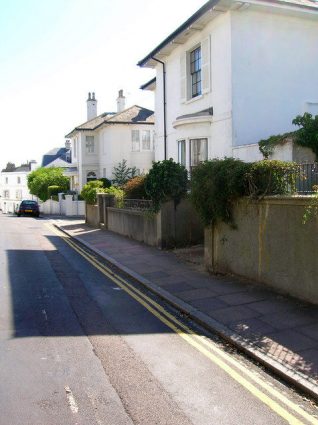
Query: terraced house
[{"x": 234, "y": 73}]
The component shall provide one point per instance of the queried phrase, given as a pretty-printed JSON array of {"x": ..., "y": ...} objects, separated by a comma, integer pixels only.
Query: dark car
[{"x": 28, "y": 208}]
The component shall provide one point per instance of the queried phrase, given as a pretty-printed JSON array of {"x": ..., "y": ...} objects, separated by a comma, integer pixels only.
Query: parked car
[{"x": 28, "y": 208}]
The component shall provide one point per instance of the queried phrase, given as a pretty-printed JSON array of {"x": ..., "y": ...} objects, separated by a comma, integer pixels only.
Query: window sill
[{"x": 193, "y": 99}]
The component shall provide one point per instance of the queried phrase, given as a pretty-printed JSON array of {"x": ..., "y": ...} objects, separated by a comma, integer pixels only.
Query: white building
[
  {"x": 14, "y": 185},
  {"x": 98, "y": 145},
  {"x": 234, "y": 73}
]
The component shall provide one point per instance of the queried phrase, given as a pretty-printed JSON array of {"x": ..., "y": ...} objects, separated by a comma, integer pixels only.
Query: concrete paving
[{"x": 279, "y": 331}]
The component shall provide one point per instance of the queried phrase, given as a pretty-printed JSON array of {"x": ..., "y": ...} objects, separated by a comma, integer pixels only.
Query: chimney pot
[
  {"x": 121, "y": 100},
  {"x": 91, "y": 106}
]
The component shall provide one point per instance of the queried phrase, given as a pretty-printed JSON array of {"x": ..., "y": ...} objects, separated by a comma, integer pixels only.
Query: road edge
[{"x": 210, "y": 324}]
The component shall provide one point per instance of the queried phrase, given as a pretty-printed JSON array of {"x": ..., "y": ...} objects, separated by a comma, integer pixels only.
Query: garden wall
[
  {"x": 168, "y": 228},
  {"x": 271, "y": 245}
]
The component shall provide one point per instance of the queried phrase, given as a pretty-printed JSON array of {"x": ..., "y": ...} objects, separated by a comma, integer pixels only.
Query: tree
[
  {"x": 307, "y": 135},
  {"x": 39, "y": 181},
  {"x": 122, "y": 173}
]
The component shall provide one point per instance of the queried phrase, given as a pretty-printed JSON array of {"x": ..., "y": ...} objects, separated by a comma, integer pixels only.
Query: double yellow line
[{"x": 203, "y": 345}]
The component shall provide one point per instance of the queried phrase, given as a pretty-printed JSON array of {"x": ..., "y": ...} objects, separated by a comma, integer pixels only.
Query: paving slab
[{"x": 279, "y": 331}]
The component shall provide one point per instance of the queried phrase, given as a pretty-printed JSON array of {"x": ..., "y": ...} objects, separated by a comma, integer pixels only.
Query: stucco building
[
  {"x": 104, "y": 140},
  {"x": 234, "y": 73},
  {"x": 14, "y": 185}
]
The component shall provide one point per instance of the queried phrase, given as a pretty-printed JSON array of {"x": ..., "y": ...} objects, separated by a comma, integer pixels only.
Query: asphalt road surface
[{"x": 82, "y": 346}]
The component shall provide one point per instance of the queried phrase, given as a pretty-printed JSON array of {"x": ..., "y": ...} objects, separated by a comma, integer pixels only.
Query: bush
[
  {"x": 106, "y": 182},
  {"x": 135, "y": 188},
  {"x": 53, "y": 191},
  {"x": 215, "y": 185},
  {"x": 118, "y": 193},
  {"x": 90, "y": 190},
  {"x": 271, "y": 178},
  {"x": 166, "y": 180}
]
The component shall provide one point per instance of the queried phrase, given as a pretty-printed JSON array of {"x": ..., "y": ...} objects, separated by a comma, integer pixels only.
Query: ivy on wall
[{"x": 305, "y": 136}]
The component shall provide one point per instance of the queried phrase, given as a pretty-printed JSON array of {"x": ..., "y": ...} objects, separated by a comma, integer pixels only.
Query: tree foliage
[
  {"x": 135, "y": 188},
  {"x": 39, "y": 181},
  {"x": 215, "y": 185},
  {"x": 166, "y": 180},
  {"x": 307, "y": 135},
  {"x": 122, "y": 173}
]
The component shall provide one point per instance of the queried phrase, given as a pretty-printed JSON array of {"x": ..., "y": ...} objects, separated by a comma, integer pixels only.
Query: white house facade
[
  {"x": 234, "y": 73},
  {"x": 98, "y": 145},
  {"x": 14, "y": 186}
]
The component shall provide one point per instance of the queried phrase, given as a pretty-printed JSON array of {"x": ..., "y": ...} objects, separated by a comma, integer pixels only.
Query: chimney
[
  {"x": 120, "y": 101},
  {"x": 33, "y": 164},
  {"x": 91, "y": 106},
  {"x": 67, "y": 144}
]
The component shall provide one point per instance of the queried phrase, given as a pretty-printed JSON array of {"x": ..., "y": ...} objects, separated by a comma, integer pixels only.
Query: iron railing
[{"x": 306, "y": 178}]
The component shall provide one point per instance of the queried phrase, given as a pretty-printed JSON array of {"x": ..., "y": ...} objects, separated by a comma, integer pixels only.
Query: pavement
[{"x": 279, "y": 331}]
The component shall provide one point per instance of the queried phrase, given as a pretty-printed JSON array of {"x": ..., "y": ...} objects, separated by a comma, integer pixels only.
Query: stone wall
[{"x": 270, "y": 245}]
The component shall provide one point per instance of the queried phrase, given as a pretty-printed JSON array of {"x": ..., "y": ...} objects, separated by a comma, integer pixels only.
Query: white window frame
[
  {"x": 135, "y": 141},
  {"x": 205, "y": 69},
  {"x": 18, "y": 180},
  {"x": 143, "y": 133},
  {"x": 181, "y": 152},
  {"x": 90, "y": 144},
  {"x": 191, "y": 142}
]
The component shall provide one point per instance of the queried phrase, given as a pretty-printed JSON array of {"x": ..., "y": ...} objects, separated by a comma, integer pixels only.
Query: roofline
[
  {"x": 148, "y": 83},
  {"x": 207, "y": 6}
]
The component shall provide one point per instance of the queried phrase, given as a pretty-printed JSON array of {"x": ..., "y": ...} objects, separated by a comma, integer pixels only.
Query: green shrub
[
  {"x": 90, "y": 190},
  {"x": 53, "y": 191},
  {"x": 106, "y": 182},
  {"x": 118, "y": 193},
  {"x": 166, "y": 180},
  {"x": 271, "y": 177},
  {"x": 135, "y": 188},
  {"x": 215, "y": 185}
]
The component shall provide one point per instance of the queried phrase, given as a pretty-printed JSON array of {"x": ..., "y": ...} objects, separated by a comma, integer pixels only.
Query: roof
[
  {"x": 13, "y": 168},
  {"x": 149, "y": 85},
  {"x": 207, "y": 12},
  {"x": 53, "y": 154},
  {"x": 133, "y": 115},
  {"x": 59, "y": 162}
]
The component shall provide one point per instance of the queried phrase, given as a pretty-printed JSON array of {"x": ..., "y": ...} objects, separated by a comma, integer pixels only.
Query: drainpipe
[{"x": 164, "y": 105}]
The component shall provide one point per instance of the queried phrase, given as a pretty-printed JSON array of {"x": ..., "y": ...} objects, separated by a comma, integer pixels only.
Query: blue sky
[{"x": 52, "y": 53}]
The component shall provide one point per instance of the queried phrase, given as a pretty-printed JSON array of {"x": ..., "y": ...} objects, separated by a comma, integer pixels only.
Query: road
[{"x": 82, "y": 345}]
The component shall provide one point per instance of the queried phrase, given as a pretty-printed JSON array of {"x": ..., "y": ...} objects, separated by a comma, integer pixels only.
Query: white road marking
[{"x": 71, "y": 400}]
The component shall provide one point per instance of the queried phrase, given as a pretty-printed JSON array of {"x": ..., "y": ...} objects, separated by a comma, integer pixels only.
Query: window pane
[
  {"x": 198, "y": 151},
  {"x": 145, "y": 137},
  {"x": 135, "y": 140},
  {"x": 90, "y": 144},
  {"x": 182, "y": 152},
  {"x": 195, "y": 70}
]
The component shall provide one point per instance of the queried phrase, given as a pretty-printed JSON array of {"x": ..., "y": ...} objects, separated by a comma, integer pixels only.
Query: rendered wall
[
  {"x": 274, "y": 70},
  {"x": 167, "y": 229},
  {"x": 134, "y": 224},
  {"x": 270, "y": 245}
]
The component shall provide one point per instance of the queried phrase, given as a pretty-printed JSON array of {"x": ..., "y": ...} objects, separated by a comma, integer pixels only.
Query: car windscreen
[{"x": 28, "y": 204}]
